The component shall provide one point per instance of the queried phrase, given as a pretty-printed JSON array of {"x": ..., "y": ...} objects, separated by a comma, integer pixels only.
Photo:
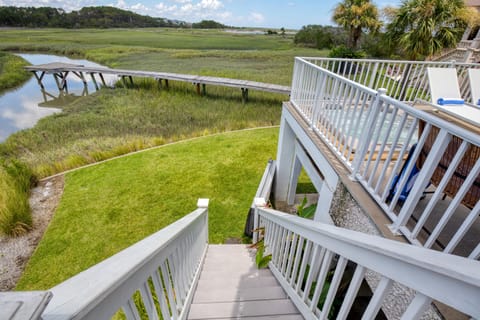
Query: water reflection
[{"x": 23, "y": 107}]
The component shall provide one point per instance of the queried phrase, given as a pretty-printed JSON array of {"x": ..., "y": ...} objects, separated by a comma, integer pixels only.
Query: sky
[{"x": 290, "y": 14}]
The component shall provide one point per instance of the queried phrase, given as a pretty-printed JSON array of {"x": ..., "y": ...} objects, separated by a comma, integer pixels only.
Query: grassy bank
[
  {"x": 12, "y": 73},
  {"x": 117, "y": 121},
  {"x": 126, "y": 199}
]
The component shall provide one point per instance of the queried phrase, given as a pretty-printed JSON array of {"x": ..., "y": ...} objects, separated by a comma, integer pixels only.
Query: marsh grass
[
  {"x": 12, "y": 73},
  {"x": 15, "y": 182},
  {"x": 118, "y": 121}
]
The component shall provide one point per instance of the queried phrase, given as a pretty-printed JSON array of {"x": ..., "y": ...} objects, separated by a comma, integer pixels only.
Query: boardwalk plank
[{"x": 218, "y": 81}]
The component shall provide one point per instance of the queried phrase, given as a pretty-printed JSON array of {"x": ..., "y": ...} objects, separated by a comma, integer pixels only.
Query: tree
[
  {"x": 357, "y": 17},
  {"x": 422, "y": 28}
]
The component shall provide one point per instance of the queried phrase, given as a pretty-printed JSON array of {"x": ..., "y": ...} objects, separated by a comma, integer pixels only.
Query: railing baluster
[
  {"x": 352, "y": 291},
  {"x": 298, "y": 257},
  {"x": 303, "y": 266},
  {"x": 148, "y": 301},
  {"x": 417, "y": 307},
  {"x": 130, "y": 310},
  {"x": 378, "y": 297},
  {"x": 321, "y": 279},
  {"x": 402, "y": 219},
  {"x": 286, "y": 252},
  {"x": 454, "y": 204},
  {"x": 169, "y": 288},
  {"x": 293, "y": 252},
  {"x": 439, "y": 190},
  {"x": 334, "y": 285},
  {"x": 160, "y": 291},
  {"x": 389, "y": 158}
]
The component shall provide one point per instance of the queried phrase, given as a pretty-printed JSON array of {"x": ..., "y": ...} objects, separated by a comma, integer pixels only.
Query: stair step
[
  {"x": 242, "y": 309},
  {"x": 232, "y": 287},
  {"x": 236, "y": 295}
]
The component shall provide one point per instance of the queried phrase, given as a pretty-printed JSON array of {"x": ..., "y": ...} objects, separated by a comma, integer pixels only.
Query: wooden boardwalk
[
  {"x": 231, "y": 287},
  {"x": 60, "y": 72}
]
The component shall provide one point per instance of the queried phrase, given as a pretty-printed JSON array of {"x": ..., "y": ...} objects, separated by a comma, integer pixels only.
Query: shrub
[
  {"x": 15, "y": 182},
  {"x": 345, "y": 52}
]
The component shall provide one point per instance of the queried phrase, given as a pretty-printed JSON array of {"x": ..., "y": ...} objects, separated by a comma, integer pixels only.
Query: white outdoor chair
[
  {"x": 474, "y": 79},
  {"x": 444, "y": 88}
]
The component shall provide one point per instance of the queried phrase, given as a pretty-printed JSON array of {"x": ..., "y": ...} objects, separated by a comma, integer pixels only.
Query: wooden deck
[
  {"x": 61, "y": 70},
  {"x": 231, "y": 287}
]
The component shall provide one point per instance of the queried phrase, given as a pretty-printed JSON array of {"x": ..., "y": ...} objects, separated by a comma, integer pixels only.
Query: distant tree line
[
  {"x": 87, "y": 17},
  {"x": 208, "y": 24}
]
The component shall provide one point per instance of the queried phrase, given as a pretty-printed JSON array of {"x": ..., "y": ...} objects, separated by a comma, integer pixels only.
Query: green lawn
[{"x": 108, "y": 207}]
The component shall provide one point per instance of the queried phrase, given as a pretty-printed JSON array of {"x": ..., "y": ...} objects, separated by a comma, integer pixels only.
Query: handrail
[
  {"x": 309, "y": 258},
  {"x": 163, "y": 267},
  {"x": 263, "y": 192},
  {"x": 403, "y": 80},
  {"x": 372, "y": 134}
]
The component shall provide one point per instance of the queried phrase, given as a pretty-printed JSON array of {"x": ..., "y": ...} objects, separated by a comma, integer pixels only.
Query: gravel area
[{"x": 15, "y": 252}]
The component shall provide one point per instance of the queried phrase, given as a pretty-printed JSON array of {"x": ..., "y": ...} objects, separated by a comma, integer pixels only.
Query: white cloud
[
  {"x": 256, "y": 17},
  {"x": 121, "y": 4},
  {"x": 210, "y": 4},
  {"x": 163, "y": 9}
]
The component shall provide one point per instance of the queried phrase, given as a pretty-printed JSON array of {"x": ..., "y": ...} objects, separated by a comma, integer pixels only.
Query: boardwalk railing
[
  {"x": 403, "y": 80},
  {"x": 374, "y": 134},
  {"x": 154, "y": 278},
  {"x": 322, "y": 268}
]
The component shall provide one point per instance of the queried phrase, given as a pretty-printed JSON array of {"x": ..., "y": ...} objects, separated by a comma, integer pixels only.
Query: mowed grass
[{"x": 108, "y": 207}]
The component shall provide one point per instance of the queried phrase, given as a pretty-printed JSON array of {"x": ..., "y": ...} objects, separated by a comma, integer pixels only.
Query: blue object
[
  {"x": 478, "y": 102},
  {"x": 443, "y": 101},
  {"x": 410, "y": 180}
]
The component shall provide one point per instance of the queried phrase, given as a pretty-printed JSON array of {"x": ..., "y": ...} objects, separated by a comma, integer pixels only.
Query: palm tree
[
  {"x": 422, "y": 28},
  {"x": 357, "y": 16}
]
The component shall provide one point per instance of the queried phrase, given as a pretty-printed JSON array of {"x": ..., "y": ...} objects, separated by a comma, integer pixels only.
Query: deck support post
[
  {"x": 103, "y": 80},
  {"x": 204, "y": 89},
  {"x": 61, "y": 81},
  {"x": 197, "y": 85},
  {"x": 131, "y": 80},
  {"x": 39, "y": 79},
  {"x": 244, "y": 95},
  {"x": 92, "y": 75}
]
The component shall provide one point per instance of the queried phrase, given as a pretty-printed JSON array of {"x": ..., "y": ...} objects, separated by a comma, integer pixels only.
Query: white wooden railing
[
  {"x": 322, "y": 267},
  {"x": 372, "y": 134},
  {"x": 154, "y": 278},
  {"x": 403, "y": 80}
]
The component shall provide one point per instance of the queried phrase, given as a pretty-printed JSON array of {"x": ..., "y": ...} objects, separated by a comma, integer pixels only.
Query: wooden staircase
[{"x": 231, "y": 287}]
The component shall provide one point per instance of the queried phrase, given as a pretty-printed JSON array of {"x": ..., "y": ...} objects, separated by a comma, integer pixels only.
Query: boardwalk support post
[{"x": 244, "y": 95}]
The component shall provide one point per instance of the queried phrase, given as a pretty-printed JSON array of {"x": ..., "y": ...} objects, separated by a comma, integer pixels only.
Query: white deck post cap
[
  {"x": 202, "y": 203},
  {"x": 259, "y": 202}
]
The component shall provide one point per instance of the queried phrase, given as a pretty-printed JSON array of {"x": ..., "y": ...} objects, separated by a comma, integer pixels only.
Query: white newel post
[
  {"x": 259, "y": 203},
  {"x": 202, "y": 203}
]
